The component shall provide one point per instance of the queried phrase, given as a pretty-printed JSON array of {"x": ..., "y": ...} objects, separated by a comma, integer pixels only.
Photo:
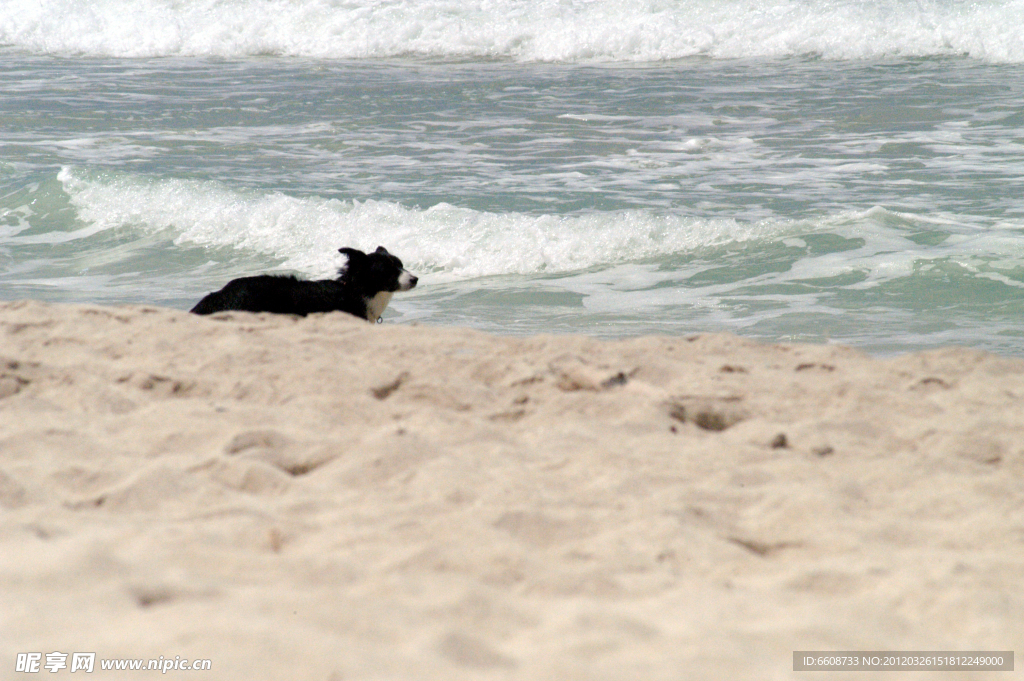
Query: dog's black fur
[{"x": 363, "y": 288}]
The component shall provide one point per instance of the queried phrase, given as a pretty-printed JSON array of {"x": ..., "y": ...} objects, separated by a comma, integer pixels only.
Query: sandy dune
[{"x": 326, "y": 499}]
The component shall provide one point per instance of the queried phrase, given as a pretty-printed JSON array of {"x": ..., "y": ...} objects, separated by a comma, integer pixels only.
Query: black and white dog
[{"x": 364, "y": 288}]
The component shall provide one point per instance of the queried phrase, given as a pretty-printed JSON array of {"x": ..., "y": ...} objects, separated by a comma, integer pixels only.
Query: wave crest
[
  {"x": 452, "y": 242},
  {"x": 521, "y": 30}
]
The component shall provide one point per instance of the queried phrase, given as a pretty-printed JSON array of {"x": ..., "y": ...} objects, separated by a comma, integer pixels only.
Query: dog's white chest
[{"x": 375, "y": 306}]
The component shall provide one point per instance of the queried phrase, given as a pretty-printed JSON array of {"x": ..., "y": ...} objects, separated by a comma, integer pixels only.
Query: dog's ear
[
  {"x": 352, "y": 253},
  {"x": 356, "y": 260},
  {"x": 381, "y": 249}
]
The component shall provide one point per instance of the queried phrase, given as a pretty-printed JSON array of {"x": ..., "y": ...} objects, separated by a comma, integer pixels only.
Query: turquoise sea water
[{"x": 846, "y": 172}]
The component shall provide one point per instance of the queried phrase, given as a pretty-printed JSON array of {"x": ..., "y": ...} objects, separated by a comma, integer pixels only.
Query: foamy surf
[
  {"x": 520, "y": 30},
  {"x": 448, "y": 241},
  {"x": 461, "y": 243},
  {"x": 614, "y": 253}
]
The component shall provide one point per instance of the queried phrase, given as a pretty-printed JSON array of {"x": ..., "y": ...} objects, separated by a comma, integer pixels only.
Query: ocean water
[{"x": 820, "y": 171}]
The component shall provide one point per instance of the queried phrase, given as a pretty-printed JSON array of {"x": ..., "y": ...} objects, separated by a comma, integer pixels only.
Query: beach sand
[{"x": 326, "y": 499}]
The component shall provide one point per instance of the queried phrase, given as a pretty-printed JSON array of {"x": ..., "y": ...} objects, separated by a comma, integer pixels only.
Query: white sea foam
[
  {"x": 451, "y": 242},
  {"x": 523, "y": 30}
]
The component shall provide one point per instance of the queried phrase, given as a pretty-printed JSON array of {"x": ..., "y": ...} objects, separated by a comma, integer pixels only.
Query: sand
[{"x": 323, "y": 498}]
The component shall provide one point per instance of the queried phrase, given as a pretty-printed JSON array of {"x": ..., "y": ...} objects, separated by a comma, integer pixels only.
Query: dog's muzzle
[{"x": 407, "y": 281}]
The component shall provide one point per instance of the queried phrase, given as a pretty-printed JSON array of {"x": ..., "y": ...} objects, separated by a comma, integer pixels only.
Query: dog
[{"x": 363, "y": 288}]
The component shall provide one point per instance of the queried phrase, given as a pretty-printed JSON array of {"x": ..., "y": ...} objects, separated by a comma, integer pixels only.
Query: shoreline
[{"x": 324, "y": 498}]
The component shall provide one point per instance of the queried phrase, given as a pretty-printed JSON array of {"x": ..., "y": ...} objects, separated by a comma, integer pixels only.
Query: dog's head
[{"x": 377, "y": 271}]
